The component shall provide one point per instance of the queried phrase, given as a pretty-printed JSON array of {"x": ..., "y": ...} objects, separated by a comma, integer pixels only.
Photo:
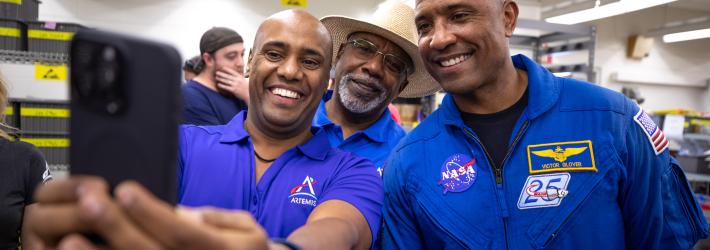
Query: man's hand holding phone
[{"x": 135, "y": 219}]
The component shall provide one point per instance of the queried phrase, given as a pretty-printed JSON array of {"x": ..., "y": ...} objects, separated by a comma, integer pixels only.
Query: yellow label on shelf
[
  {"x": 44, "y": 112},
  {"x": 47, "y": 142},
  {"x": 11, "y": 32},
  {"x": 50, "y": 35},
  {"x": 700, "y": 122},
  {"x": 18, "y": 2},
  {"x": 9, "y": 111},
  {"x": 50, "y": 72},
  {"x": 296, "y": 3}
]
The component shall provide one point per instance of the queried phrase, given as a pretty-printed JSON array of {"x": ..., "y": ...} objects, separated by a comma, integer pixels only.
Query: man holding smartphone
[
  {"x": 268, "y": 162},
  {"x": 220, "y": 90}
]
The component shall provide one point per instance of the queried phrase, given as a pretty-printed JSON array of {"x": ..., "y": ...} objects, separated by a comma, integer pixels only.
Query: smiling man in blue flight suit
[{"x": 516, "y": 158}]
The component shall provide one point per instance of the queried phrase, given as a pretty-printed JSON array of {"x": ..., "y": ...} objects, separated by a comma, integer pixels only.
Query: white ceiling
[{"x": 698, "y": 5}]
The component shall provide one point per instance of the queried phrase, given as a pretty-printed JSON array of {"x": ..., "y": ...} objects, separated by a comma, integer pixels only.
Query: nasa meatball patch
[{"x": 458, "y": 173}]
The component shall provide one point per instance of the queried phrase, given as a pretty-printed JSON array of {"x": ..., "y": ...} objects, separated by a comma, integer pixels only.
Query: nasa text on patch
[
  {"x": 561, "y": 157},
  {"x": 458, "y": 173},
  {"x": 655, "y": 135},
  {"x": 547, "y": 190}
]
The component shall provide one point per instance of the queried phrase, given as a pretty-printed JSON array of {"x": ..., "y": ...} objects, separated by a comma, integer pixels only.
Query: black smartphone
[{"x": 125, "y": 110}]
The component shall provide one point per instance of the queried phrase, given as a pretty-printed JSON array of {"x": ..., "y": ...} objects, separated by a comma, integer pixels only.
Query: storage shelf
[
  {"x": 692, "y": 136},
  {"x": 697, "y": 177},
  {"x": 27, "y": 57}
]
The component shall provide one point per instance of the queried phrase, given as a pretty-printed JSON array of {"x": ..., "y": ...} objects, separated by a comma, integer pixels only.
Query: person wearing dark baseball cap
[{"x": 220, "y": 90}]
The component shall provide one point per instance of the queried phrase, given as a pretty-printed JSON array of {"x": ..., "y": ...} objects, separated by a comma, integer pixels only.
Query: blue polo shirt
[
  {"x": 374, "y": 143},
  {"x": 217, "y": 168},
  {"x": 203, "y": 106}
]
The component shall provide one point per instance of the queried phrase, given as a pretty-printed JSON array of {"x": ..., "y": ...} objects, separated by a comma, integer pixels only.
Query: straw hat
[{"x": 394, "y": 21}]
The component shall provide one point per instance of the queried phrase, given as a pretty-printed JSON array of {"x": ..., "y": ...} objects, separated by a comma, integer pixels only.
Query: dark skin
[
  {"x": 277, "y": 123},
  {"x": 472, "y": 35},
  {"x": 135, "y": 219},
  {"x": 349, "y": 63}
]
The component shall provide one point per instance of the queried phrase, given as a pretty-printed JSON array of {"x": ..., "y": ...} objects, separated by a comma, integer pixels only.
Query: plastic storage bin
[
  {"x": 13, "y": 35},
  {"x": 44, "y": 118},
  {"x": 26, "y": 10},
  {"x": 50, "y": 37}
]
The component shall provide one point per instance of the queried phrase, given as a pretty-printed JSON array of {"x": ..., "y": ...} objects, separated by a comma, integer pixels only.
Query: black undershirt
[{"x": 494, "y": 130}]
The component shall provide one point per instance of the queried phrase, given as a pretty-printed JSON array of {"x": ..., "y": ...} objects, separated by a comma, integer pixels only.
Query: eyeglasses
[{"x": 366, "y": 50}]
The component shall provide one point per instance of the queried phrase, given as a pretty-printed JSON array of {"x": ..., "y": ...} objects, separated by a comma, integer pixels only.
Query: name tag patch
[
  {"x": 458, "y": 173},
  {"x": 547, "y": 190},
  {"x": 561, "y": 157}
]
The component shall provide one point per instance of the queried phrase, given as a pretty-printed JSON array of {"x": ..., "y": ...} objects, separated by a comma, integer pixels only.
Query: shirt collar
[
  {"x": 234, "y": 130},
  {"x": 543, "y": 92},
  {"x": 315, "y": 148},
  {"x": 321, "y": 118},
  {"x": 378, "y": 131}
]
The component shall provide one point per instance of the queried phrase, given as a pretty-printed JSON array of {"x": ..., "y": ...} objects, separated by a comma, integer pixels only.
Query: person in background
[
  {"x": 516, "y": 158},
  {"x": 220, "y": 90},
  {"x": 268, "y": 162},
  {"x": 191, "y": 68},
  {"x": 22, "y": 169},
  {"x": 375, "y": 61}
]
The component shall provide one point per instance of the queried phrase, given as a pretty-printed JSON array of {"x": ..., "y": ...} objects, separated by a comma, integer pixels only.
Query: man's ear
[
  {"x": 208, "y": 59},
  {"x": 249, "y": 60},
  {"x": 402, "y": 86},
  {"x": 510, "y": 15}
]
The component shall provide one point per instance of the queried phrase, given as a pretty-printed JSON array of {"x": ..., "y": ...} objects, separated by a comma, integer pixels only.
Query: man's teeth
[
  {"x": 456, "y": 60},
  {"x": 285, "y": 93}
]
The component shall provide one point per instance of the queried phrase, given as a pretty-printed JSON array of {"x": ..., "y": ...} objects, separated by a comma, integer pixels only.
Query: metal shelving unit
[
  {"x": 559, "y": 39},
  {"x": 38, "y": 107}
]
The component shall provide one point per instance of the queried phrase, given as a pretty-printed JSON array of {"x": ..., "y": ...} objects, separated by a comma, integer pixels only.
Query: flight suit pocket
[
  {"x": 553, "y": 223},
  {"x": 458, "y": 232}
]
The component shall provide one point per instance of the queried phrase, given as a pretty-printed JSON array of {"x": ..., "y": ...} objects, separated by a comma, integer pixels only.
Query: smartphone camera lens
[{"x": 107, "y": 68}]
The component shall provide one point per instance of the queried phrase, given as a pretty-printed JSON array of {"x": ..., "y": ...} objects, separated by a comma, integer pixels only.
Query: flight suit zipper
[{"x": 498, "y": 170}]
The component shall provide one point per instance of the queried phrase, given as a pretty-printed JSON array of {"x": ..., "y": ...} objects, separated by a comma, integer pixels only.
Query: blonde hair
[{"x": 3, "y": 106}]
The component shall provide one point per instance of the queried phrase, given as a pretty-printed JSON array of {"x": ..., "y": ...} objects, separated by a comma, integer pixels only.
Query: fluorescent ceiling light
[
  {"x": 687, "y": 35},
  {"x": 607, "y": 10}
]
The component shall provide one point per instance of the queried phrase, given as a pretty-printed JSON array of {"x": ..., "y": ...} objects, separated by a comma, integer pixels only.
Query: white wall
[
  {"x": 687, "y": 61},
  {"x": 182, "y": 22}
]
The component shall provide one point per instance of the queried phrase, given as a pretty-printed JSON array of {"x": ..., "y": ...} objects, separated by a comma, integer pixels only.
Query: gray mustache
[{"x": 374, "y": 82}]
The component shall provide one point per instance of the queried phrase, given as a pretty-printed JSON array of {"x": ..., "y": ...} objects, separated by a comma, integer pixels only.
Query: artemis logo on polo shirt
[{"x": 303, "y": 194}]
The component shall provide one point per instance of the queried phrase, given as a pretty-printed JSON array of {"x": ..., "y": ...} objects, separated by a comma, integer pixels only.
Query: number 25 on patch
[{"x": 545, "y": 190}]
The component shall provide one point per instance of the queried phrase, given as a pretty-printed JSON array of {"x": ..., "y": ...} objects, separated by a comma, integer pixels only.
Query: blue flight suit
[{"x": 586, "y": 169}]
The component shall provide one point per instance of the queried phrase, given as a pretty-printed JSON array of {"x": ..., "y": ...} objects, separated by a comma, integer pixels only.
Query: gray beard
[{"x": 351, "y": 102}]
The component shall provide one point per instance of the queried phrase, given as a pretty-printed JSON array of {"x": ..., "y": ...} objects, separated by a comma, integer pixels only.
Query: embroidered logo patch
[
  {"x": 545, "y": 190},
  {"x": 655, "y": 135},
  {"x": 304, "y": 194},
  {"x": 561, "y": 157},
  {"x": 458, "y": 173}
]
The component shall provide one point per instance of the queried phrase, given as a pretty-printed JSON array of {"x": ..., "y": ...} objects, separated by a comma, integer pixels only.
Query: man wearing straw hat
[
  {"x": 516, "y": 158},
  {"x": 374, "y": 61}
]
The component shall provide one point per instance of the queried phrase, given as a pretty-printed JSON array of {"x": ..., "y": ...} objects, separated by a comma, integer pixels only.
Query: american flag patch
[{"x": 655, "y": 135}]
